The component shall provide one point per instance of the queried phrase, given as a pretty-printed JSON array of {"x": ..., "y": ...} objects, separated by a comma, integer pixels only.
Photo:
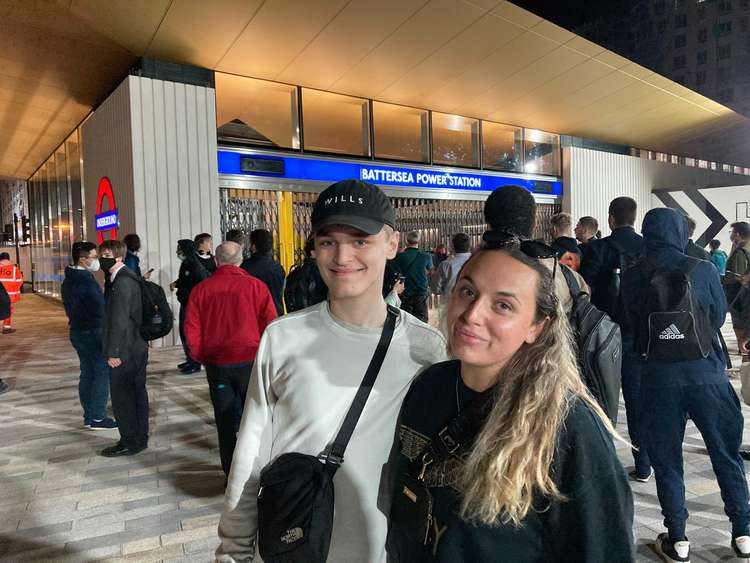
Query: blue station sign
[
  {"x": 107, "y": 220},
  {"x": 322, "y": 170}
]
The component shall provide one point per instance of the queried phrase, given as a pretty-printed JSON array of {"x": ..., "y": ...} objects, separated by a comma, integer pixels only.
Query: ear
[
  {"x": 393, "y": 245},
  {"x": 535, "y": 330}
]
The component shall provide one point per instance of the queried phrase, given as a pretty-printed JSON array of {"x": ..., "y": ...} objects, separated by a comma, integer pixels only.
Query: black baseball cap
[{"x": 353, "y": 203}]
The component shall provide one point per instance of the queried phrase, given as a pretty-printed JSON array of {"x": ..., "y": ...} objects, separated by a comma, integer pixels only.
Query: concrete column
[{"x": 155, "y": 141}]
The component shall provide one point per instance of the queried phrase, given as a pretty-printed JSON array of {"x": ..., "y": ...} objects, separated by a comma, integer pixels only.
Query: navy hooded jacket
[
  {"x": 665, "y": 237},
  {"x": 83, "y": 299}
]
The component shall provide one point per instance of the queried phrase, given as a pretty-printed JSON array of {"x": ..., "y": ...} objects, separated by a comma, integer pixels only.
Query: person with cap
[{"x": 308, "y": 369}]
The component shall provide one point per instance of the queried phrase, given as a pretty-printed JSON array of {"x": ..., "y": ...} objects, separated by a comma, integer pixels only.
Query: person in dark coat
[
  {"x": 84, "y": 305},
  {"x": 126, "y": 351},
  {"x": 192, "y": 272},
  {"x": 304, "y": 286},
  {"x": 4, "y": 314},
  {"x": 672, "y": 391},
  {"x": 204, "y": 243},
  {"x": 601, "y": 257},
  {"x": 262, "y": 265},
  {"x": 693, "y": 249},
  {"x": 132, "y": 261}
]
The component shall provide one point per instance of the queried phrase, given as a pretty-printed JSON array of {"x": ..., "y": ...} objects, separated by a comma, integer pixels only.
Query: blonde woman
[{"x": 539, "y": 481}]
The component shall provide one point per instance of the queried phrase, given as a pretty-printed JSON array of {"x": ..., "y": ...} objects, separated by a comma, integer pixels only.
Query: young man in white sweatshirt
[{"x": 308, "y": 369}]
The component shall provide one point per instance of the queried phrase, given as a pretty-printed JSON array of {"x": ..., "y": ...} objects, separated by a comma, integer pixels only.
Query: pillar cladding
[{"x": 155, "y": 143}]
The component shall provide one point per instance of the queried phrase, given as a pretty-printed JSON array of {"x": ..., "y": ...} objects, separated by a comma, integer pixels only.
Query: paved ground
[{"x": 60, "y": 501}]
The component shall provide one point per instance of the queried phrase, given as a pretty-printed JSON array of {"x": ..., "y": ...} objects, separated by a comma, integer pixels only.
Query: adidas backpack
[
  {"x": 599, "y": 347},
  {"x": 676, "y": 326},
  {"x": 157, "y": 314}
]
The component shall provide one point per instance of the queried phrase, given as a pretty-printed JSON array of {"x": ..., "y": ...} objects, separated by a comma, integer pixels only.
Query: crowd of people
[{"x": 484, "y": 437}]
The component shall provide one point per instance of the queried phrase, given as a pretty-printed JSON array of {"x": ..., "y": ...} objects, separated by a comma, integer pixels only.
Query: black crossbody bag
[
  {"x": 296, "y": 494},
  {"x": 411, "y": 510}
]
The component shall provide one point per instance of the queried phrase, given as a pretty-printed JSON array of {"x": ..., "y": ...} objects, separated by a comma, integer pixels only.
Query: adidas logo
[{"x": 671, "y": 333}]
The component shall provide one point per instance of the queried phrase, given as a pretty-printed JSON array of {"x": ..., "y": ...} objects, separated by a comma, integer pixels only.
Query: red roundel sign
[{"x": 106, "y": 218}]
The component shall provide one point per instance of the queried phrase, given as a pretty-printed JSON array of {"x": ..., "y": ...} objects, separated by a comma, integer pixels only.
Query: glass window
[
  {"x": 702, "y": 163},
  {"x": 725, "y": 6},
  {"x": 400, "y": 132},
  {"x": 257, "y": 112},
  {"x": 335, "y": 123},
  {"x": 502, "y": 147},
  {"x": 679, "y": 62},
  {"x": 680, "y": 20},
  {"x": 702, "y": 35},
  {"x": 702, "y": 57},
  {"x": 455, "y": 140},
  {"x": 724, "y": 52},
  {"x": 541, "y": 152},
  {"x": 722, "y": 29},
  {"x": 700, "y": 77},
  {"x": 78, "y": 226},
  {"x": 680, "y": 41}
]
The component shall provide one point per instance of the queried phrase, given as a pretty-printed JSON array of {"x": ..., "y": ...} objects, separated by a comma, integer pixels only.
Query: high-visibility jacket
[{"x": 12, "y": 279}]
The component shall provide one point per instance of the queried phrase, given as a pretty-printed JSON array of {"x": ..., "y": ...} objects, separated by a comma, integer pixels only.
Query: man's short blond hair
[
  {"x": 229, "y": 253},
  {"x": 562, "y": 222}
]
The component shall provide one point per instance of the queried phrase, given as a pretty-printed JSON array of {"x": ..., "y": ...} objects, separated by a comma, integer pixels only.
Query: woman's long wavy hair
[{"x": 508, "y": 471}]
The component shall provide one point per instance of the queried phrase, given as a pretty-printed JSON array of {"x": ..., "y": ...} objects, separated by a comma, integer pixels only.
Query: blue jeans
[
  {"x": 631, "y": 393},
  {"x": 93, "y": 385},
  {"x": 715, "y": 410}
]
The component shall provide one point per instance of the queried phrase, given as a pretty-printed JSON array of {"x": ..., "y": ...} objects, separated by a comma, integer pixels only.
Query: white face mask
[
  {"x": 94, "y": 266},
  {"x": 181, "y": 257}
]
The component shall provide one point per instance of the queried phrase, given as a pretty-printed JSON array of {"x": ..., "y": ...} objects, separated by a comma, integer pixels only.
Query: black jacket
[
  {"x": 4, "y": 303},
  {"x": 83, "y": 299},
  {"x": 123, "y": 316},
  {"x": 267, "y": 270},
  {"x": 192, "y": 271},
  {"x": 601, "y": 257}
]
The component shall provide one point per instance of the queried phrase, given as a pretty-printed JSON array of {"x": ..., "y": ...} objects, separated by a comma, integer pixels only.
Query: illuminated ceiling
[{"x": 479, "y": 58}]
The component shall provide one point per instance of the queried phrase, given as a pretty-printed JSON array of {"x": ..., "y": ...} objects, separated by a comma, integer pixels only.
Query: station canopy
[{"x": 478, "y": 58}]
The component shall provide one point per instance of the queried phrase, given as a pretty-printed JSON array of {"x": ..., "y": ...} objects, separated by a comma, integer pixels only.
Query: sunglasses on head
[{"x": 531, "y": 248}]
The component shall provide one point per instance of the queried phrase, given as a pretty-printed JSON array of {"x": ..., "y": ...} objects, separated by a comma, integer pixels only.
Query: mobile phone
[{"x": 151, "y": 270}]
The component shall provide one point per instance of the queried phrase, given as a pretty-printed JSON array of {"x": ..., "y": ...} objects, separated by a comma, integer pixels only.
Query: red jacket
[
  {"x": 12, "y": 278},
  {"x": 226, "y": 316}
]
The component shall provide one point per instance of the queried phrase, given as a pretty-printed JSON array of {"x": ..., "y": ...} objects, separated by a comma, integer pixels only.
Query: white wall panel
[
  {"x": 175, "y": 171},
  {"x": 593, "y": 178}
]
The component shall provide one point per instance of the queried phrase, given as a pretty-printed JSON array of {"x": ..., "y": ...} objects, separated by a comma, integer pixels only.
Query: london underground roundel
[{"x": 106, "y": 218}]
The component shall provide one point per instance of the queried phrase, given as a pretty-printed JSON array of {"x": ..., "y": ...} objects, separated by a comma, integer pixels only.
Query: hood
[
  {"x": 74, "y": 274},
  {"x": 664, "y": 229},
  {"x": 188, "y": 249}
]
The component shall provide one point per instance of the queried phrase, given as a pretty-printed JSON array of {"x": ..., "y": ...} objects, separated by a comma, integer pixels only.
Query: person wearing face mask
[
  {"x": 203, "y": 245},
  {"x": 84, "y": 305},
  {"x": 192, "y": 271}
]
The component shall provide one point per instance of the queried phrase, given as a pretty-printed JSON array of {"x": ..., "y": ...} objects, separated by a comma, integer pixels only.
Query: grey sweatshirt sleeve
[{"x": 238, "y": 526}]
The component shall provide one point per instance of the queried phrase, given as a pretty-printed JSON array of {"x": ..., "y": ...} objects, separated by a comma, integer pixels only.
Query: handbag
[
  {"x": 296, "y": 493},
  {"x": 412, "y": 506}
]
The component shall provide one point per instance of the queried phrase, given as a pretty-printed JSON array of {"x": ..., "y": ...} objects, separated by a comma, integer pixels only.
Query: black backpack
[
  {"x": 304, "y": 287},
  {"x": 4, "y": 303},
  {"x": 157, "y": 314},
  {"x": 599, "y": 348},
  {"x": 612, "y": 304},
  {"x": 675, "y": 327}
]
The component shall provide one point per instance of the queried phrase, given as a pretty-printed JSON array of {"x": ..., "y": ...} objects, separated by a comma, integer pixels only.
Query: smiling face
[
  {"x": 492, "y": 311},
  {"x": 352, "y": 263}
]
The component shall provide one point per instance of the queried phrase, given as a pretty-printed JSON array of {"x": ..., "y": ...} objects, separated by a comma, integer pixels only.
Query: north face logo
[
  {"x": 292, "y": 536},
  {"x": 671, "y": 333}
]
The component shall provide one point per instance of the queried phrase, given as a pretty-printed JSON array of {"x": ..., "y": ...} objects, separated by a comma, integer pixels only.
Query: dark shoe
[
  {"x": 672, "y": 551},
  {"x": 9, "y": 330},
  {"x": 192, "y": 368},
  {"x": 103, "y": 424},
  {"x": 4, "y": 387},
  {"x": 120, "y": 449},
  {"x": 183, "y": 365},
  {"x": 634, "y": 476},
  {"x": 745, "y": 454}
]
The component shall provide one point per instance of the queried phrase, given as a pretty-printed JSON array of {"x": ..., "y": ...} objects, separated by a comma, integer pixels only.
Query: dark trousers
[
  {"x": 631, "y": 393},
  {"x": 715, "y": 410},
  {"x": 416, "y": 305},
  {"x": 130, "y": 400},
  {"x": 228, "y": 388},
  {"x": 93, "y": 383},
  {"x": 183, "y": 313}
]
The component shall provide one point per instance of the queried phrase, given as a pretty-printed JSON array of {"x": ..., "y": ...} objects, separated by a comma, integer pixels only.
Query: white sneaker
[
  {"x": 741, "y": 547},
  {"x": 672, "y": 552}
]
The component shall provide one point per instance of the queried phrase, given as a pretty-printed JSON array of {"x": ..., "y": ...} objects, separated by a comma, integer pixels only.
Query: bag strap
[
  {"x": 458, "y": 433},
  {"x": 570, "y": 279},
  {"x": 335, "y": 455},
  {"x": 688, "y": 265}
]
